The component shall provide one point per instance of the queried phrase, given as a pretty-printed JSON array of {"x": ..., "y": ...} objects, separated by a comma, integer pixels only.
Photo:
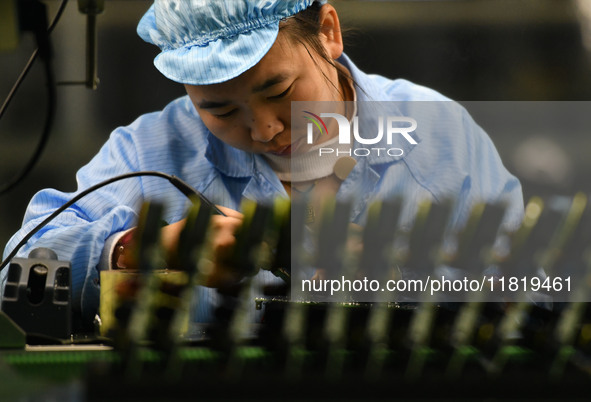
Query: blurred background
[{"x": 487, "y": 54}]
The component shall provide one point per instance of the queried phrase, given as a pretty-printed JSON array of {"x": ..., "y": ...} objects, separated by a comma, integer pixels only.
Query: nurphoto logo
[{"x": 392, "y": 126}]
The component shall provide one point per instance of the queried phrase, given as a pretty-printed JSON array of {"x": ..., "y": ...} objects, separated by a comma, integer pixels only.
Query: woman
[{"x": 243, "y": 63}]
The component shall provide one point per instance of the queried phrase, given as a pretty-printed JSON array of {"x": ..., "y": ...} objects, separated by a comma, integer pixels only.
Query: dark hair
[{"x": 304, "y": 28}]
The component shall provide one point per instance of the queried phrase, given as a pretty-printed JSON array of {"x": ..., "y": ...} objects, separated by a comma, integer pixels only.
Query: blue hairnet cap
[{"x": 211, "y": 41}]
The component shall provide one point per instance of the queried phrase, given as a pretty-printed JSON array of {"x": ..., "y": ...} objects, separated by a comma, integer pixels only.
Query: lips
[
  {"x": 282, "y": 151},
  {"x": 289, "y": 149}
]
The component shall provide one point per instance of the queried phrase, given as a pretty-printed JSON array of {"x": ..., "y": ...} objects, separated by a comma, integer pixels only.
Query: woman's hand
[{"x": 220, "y": 242}]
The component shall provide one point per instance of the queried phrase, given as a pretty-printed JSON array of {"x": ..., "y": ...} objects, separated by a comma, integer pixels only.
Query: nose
[{"x": 265, "y": 126}]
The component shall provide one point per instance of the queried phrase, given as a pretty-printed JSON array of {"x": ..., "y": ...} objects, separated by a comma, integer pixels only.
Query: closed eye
[
  {"x": 225, "y": 115},
  {"x": 282, "y": 94}
]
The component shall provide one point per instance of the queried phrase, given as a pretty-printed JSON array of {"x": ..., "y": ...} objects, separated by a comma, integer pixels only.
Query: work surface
[{"x": 336, "y": 354}]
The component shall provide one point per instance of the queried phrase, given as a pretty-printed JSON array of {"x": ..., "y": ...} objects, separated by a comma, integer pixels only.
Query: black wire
[
  {"x": 18, "y": 82},
  {"x": 49, "y": 119},
  {"x": 32, "y": 59},
  {"x": 182, "y": 186},
  {"x": 57, "y": 17},
  {"x": 51, "y": 106}
]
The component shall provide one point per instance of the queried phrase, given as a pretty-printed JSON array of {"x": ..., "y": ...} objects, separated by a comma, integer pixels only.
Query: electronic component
[{"x": 37, "y": 295}]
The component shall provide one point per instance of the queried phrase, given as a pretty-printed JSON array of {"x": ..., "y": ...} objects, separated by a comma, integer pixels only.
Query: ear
[{"x": 330, "y": 31}]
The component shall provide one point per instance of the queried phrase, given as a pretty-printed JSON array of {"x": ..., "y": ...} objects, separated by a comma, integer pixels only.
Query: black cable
[
  {"x": 182, "y": 186},
  {"x": 49, "y": 119},
  {"x": 57, "y": 17},
  {"x": 18, "y": 82},
  {"x": 43, "y": 49},
  {"x": 32, "y": 59}
]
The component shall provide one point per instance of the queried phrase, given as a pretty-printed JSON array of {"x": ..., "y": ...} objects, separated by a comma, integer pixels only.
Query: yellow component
[
  {"x": 533, "y": 210},
  {"x": 9, "y": 33},
  {"x": 485, "y": 332},
  {"x": 586, "y": 334},
  {"x": 566, "y": 231},
  {"x": 111, "y": 280}
]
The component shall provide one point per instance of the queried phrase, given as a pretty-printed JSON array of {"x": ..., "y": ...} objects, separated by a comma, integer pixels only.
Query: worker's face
[{"x": 252, "y": 112}]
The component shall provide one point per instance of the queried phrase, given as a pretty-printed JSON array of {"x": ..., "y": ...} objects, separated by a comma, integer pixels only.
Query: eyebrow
[
  {"x": 274, "y": 80},
  {"x": 205, "y": 104}
]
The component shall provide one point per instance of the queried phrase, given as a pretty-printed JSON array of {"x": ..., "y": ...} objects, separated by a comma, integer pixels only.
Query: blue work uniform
[{"x": 453, "y": 157}]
